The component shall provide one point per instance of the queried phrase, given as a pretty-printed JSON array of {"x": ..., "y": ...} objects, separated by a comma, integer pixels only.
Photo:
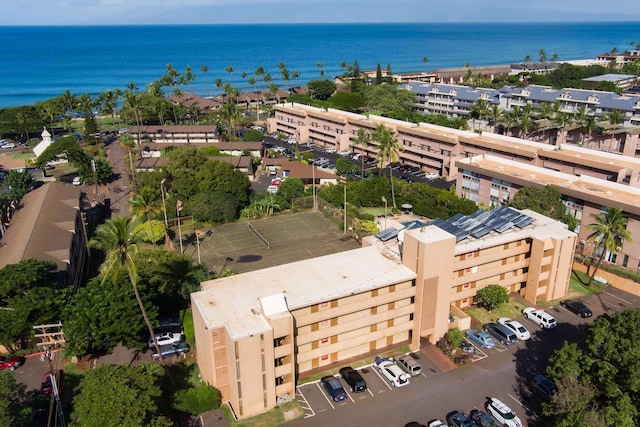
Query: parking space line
[
  {"x": 527, "y": 410},
  {"x": 617, "y": 297},
  {"x": 348, "y": 394},
  {"x": 306, "y": 407},
  {"x": 325, "y": 395},
  {"x": 384, "y": 380}
]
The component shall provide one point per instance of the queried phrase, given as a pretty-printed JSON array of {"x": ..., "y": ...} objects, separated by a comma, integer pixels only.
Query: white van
[{"x": 539, "y": 317}]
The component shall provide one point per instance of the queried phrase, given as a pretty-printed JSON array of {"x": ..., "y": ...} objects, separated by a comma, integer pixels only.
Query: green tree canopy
[
  {"x": 13, "y": 408},
  {"x": 387, "y": 99},
  {"x": 321, "y": 89},
  {"x": 603, "y": 381},
  {"x": 253, "y": 135},
  {"x": 546, "y": 201},
  {"x": 123, "y": 396},
  {"x": 492, "y": 297},
  {"x": 29, "y": 295},
  {"x": 347, "y": 101}
]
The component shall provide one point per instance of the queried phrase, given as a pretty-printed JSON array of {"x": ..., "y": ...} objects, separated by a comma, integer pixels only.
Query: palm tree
[
  {"x": 146, "y": 203},
  {"x": 425, "y": 60},
  {"x": 543, "y": 55},
  {"x": 362, "y": 140},
  {"x": 204, "y": 69},
  {"x": 614, "y": 117},
  {"x": 562, "y": 120},
  {"x": 113, "y": 237},
  {"x": 320, "y": 65},
  {"x": 479, "y": 109},
  {"x": 126, "y": 140},
  {"x": 608, "y": 234},
  {"x": 388, "y": 152},
  {"x": 229, "y": 70},
  {"x": 496, "y": 113},
  {"x": 527, "y": 58}
]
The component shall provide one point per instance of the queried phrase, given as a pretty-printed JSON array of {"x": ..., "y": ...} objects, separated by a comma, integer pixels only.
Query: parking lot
[
  {"x": 408, "y": 173},
  {"x": 314, "y": 399},
  {"x": 504, "y": 372}
]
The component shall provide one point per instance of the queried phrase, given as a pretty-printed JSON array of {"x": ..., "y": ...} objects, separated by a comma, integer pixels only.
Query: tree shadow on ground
[{"x": 532, "y": 359}]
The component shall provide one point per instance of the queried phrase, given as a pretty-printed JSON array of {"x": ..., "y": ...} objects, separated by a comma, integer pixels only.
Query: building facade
[
  {"x": 493, "y": 181},
  {"x": 289, "y": 321}
]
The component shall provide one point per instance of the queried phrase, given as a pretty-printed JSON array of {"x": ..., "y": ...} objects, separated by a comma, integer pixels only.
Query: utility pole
[
  {"x": 51, "y": 336},
  {"x": 345, "y": 207},
  {"x": 178, "y": 209}
]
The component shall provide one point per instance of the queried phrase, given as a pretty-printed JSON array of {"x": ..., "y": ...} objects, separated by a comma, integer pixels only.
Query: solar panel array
[{"x": 481, "y": 222}]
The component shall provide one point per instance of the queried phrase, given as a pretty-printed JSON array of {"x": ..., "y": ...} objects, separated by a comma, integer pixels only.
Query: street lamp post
[
  {"x": 164, "y": 206},
  {"x": 345, "y": 207},
  {"x": 313, "y": 183},
  {"x": 178, "y": 209},
  {"x": 384, "y": 199}
]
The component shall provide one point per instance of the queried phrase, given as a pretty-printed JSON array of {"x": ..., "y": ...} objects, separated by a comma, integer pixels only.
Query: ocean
[{"x": 37, "y": 63}]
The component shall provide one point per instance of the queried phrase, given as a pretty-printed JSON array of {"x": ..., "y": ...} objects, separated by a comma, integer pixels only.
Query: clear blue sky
[{"x": 125, "y": 12}]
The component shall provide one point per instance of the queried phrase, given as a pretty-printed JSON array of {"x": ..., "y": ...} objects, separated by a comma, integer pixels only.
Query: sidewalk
[{"x": 433, "y": 353}]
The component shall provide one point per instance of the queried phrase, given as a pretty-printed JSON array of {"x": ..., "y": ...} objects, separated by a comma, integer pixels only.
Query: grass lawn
[
  {"x": 187, "y": 325},
  {"x": 275, "y": 417},
  {"x": 374, "y": 211},
  {"x": 511, "y": 309}
]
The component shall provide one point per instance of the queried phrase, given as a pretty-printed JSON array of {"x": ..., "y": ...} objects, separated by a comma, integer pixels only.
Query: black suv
[{"x": 354, "y": 379}]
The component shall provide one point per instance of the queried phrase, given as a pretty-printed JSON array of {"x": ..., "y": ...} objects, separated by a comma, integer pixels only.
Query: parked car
[
  {"x": 334, "y": 388},
  {"x": 481, "y": 338},
  {"x": 76, "y": 181},
  {"x": 482, "y": 419},
  {"x": 392, "y": 372},
  {"x": 577, "y": 307},
  {"x": 543, "y": 387},
  {"x": 437, "y": 423},
  {"x": 459, "y": 419},
  {"x": 502, "y": 413},
  {"x": 11, "y": 363},
  {"x": 9, "y": 145},
  {"x": 330, "y": 149},
  {"x": 167, "y": 338},
  {"x": 521, "y": 332},
  {"x": 354, "y": 379},
  {"x": 408, "y": 364},
  {"x": 321, "y": 161},
  {"x": 46, "y": 385},
  {"x": 500, "y": 332},
  {"x": 539, "y": 317},
  {"x": 431, "y": 175},
  {"x": 171, "y": 350},
  {"x": 345, "y": 152},
  {"x": 272, "y": 189},
  {"x": 35, "y": 184}
]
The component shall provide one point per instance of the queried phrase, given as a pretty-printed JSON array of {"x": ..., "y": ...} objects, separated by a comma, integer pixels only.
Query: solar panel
[
  {"x": 387, "y": 234},
  {"x": 481, "y": 232},
  {"x": 523, "y": 223},
  {"x": 504, "y": 227}
]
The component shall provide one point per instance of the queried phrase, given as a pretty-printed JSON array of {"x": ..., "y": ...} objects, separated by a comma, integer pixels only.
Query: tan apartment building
[
  {"x": 257, "y": 333},
  {"x": 492, "y": 181},
  {"x": 436, "y": 148}
]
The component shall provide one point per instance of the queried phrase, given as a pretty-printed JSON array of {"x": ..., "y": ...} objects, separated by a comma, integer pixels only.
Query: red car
[
  {"x": 47, "y": 385},
  {"x": 11, "y": 362}
]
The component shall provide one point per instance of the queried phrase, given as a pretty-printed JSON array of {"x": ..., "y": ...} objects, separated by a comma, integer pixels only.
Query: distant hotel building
[{"x": 440, "y": 149}]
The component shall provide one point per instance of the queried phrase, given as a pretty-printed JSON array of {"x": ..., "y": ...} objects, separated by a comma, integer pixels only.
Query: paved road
[
  {"x": 118, "y": 189},
  {"x": 504, "y": 373}
]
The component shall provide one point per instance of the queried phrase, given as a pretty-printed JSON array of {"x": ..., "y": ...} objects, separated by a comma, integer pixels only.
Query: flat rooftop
[
  {"x": 582, "y": 187},
  {"x": 234, "y": 302}
]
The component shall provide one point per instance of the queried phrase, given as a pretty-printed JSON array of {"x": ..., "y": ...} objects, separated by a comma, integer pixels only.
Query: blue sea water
[{"x": 37, "y": 63}]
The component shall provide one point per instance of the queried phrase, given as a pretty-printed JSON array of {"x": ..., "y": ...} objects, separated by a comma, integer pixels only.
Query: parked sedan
[
  {"x": 11, "y": 362},
  {"x": 171, "y": 350},
  {"x": 334, "y": 388},
  {"x": 481, "y": 338},
  {"x": 577, "y": 307},
  {"x": 521, "y": 332}
]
